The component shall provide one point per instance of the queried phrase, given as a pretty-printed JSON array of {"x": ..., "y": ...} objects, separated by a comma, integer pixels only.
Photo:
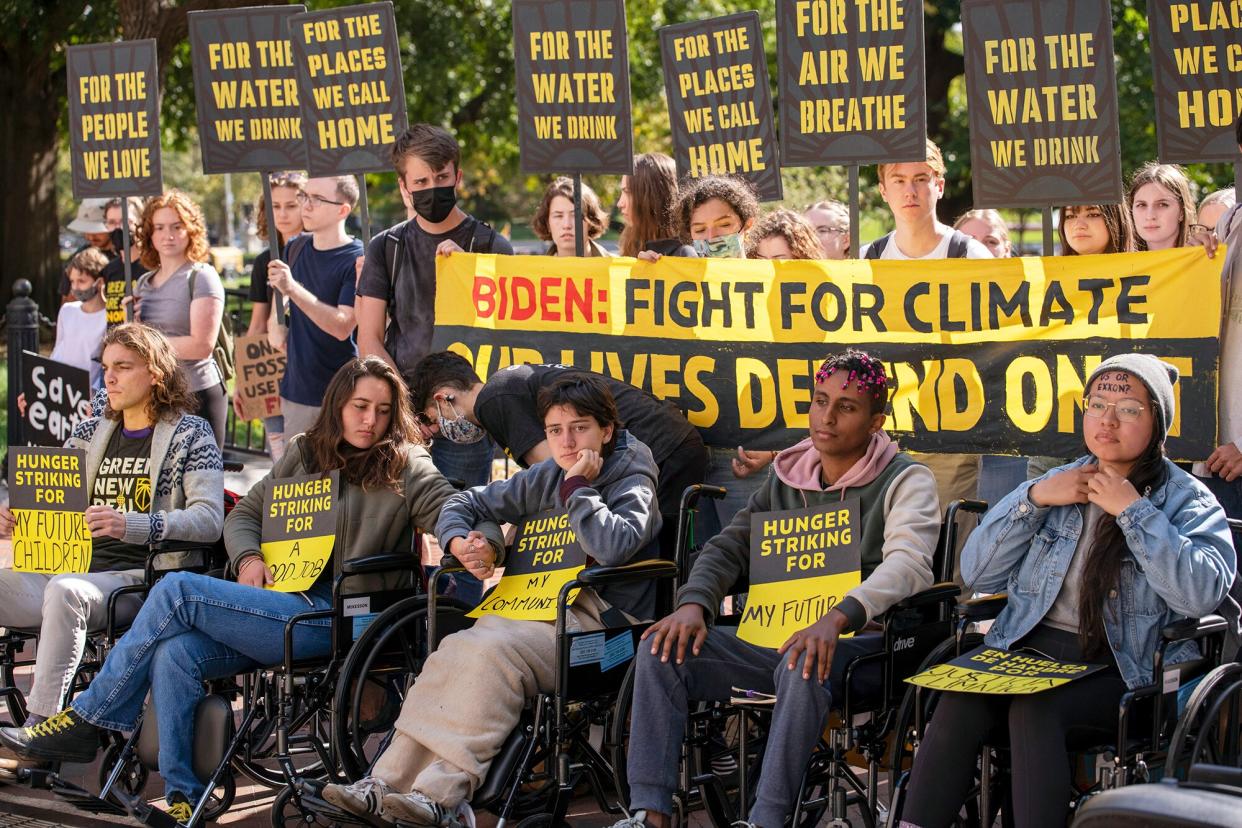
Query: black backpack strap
[
  {"x": 959, "y": 244},
  {"x": 296, "y": 247},
  {"x": 876, "y": 249},
  {"x": 394, "y": 256},
  {"x": 484, "y": 238}
]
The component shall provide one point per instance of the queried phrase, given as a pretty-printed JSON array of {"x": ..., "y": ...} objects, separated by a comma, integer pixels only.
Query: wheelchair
[{"x": 1147, "y": 740}]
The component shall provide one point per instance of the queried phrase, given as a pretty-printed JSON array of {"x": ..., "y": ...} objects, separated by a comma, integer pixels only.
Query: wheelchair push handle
[{"x": 690, "y": 497}]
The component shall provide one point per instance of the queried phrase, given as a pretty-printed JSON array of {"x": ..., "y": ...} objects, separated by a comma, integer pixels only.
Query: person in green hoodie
[
  {"x": 600, "y": 482},
  {"x": 847, "y": 458}
]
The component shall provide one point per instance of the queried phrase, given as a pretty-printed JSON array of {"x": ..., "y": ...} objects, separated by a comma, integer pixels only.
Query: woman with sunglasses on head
[{"x": 1097, "y": 557}]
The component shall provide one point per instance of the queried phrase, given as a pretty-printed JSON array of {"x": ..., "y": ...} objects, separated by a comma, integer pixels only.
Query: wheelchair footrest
[
  {"x": 82, "y": 799},
  {"x": 147, "y": 814},
  {"x": 314, "y": 803}
]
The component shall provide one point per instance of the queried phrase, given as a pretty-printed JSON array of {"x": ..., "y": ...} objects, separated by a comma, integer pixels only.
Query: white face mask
[{"x": 457, "y": 429}]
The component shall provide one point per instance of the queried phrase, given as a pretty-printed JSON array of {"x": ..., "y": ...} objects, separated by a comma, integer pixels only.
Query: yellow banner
[
  {"x": 51, "y": 543},
  {"x": 993, "y": 671},
  {"x": 776, "y": 611},
  {"x": 297, "y": 564},
  {"x": 528, "y": 597}
]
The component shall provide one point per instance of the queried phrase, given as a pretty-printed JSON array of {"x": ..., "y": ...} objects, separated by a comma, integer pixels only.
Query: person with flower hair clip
[{"x": 847, "y": 456}]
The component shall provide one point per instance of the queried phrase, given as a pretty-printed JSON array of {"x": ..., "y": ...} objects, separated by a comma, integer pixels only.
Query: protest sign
[
  {"x": 1043, "y": 113},
  {"x": 1196, "y": 61},
  {"x": 299, "y": 529},
  {"x": 802, "y": 562},
  {"x": 719, "y": 102},
  {"x": 58, "y": 397},
  {"x": 350, "y": 87},
  {"x": 245, "y": 90},
  {"x": 995, "y": 671},
  {"x": 114, "y": 119},
  {"x": 114, "y": 293},
  {"x": 260, "y": 368},
  {"x": 984, "y": 355},
  {"x": 573, "y": 87},
  {"x": 545, "y": 556},
  {"x": 852, "y": 82},
  {"x": 47, "y": 494}
]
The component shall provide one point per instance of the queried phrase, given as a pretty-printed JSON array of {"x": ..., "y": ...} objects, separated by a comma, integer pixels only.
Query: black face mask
[{"x": 435, "y": 203}]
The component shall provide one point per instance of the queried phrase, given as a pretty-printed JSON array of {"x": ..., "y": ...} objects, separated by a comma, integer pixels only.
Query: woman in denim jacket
[{"x": 1097, "y": 556}]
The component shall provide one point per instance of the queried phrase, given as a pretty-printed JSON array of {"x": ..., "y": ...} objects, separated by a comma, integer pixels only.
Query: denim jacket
[{"x": 1181, "y": 564}]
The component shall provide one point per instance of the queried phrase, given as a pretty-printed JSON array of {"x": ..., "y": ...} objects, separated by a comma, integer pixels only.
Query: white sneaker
[
  {"x": 364, "y": 797},
  {"x": 415, "y": 808}
]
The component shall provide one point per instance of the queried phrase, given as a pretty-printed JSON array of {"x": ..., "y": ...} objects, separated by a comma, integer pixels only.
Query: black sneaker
[{"x": 65, "y": 737}]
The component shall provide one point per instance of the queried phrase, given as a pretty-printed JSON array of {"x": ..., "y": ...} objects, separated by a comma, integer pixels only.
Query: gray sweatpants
[
  {"x": 662, "y": 692},
  {"x": 62, "y": 609}
]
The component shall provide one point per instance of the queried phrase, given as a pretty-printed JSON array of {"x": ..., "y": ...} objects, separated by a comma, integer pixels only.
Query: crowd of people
[{"x": 1072, "y": 539}]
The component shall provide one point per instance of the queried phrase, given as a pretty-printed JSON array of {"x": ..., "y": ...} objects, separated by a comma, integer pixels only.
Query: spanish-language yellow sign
[
  {"x": 47, "y": 494},
  {"x": 299, "y": 529},
  {"x": 545, "y": 556},
  {"x": 802, "y": 563},
  {"x": 984, "y": 355},
  {"x": 994, "y": 671}
]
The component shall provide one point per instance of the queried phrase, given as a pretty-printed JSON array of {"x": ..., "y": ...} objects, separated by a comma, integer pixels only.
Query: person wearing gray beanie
[{"x": 1156, "y": 374}]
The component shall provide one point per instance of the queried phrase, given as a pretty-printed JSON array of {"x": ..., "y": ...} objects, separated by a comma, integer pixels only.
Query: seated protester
[
  {"x": 153, "y": 474},
  {"x": 194, "y": 627},
  {"x": 1097, "y": 557},
  {"x": 453, "y": 403},
  {"x": 471, "y": 690},
  {"x": 847, "y": 456}
]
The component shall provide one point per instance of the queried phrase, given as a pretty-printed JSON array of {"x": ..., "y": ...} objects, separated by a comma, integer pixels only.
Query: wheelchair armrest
[
  {"x": 596, "y": 576},
  {"x": 379, "y": 563},
  {"x": 1194, "y": 628},
  {"x": 936, "y": 594},
  {"x": 982, "y": 608},
  {"x": 1215, "y": 775},
  {"x": 156, "y": 550}
]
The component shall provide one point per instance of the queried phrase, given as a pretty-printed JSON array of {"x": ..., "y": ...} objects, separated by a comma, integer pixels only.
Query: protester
[
  {"x": 1161, "y": 206},
  {"x": 81, "y": 324},
  {"x": 646, "y": 205},
  {"x": 455, "y": 405},
  {"x": 554, "y": 220},
  {"x": 847, "y": 456},
  {"x": 145, "y": 433},
  {"x": 1097, "y": 557},
  {"x": 91, "y": 222},
  {"x": 988, "y": 228},
  {"x": 605, "y": 479},
  {"x": 182, "y": 297},
  {"x": 287, "y": 213},
  {"x": 114, "y": 272},
  {"x": 831, "y": 220},
  {"x": 317, "y": 280},
  {"x": 193, "y": 628},
  {"x": 1214, "y": 206},
  {"x": 783, "y": 234}
]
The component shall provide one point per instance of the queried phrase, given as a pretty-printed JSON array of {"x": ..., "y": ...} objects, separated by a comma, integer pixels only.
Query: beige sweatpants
[{"x": 468, "y": 699}]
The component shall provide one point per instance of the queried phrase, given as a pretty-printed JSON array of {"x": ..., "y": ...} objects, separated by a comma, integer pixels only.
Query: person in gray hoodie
[
  {"x": 471, "y": 690},
  {"x": 847, "y": 456}
]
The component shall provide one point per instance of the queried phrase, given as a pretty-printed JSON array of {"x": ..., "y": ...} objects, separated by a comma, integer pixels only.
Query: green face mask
[{"x": 721, "y": 247}]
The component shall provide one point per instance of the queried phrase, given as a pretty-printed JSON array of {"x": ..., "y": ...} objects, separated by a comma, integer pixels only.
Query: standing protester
[
  {"x": 287, "y": 212},
  {"x": 988, "y": 228},
  {"x": 831, "y": 220},
  {"x": 153, "y": 473},
  {"x": 182, "y": 297},
  {"x": 81, "y": 324},
  {"x": 912, "y": 190},
  {"x": 1213, "y": 208},
  {"x": 646, "y": 205},
  {"x": 92, "y": 223},
  {"x": 1161, "y": 205},
  {"x": 554, "y": 220},
  {"x": 783, "y": 234},
  {"x": 317, "y": 281},
  {"x": 114, "y": 272}
]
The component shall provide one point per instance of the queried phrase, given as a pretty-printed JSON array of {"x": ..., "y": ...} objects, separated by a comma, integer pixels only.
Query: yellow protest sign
[
  {"x": 994, "y": 671},
  {"x": 299, "y": 529},
  {"x": 47, "y": 495},
  {"x": 545, "y": 556},
  {"x": 802, "y": 562}
]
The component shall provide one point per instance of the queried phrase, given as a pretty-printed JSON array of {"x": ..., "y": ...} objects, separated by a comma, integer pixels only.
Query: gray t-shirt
[
  {"x": 167, "y": 309},
  {"x": 1063, "y": 614}
]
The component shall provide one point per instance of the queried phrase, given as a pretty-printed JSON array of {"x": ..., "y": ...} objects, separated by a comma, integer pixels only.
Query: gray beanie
[{"x": 1155, "y": 373}]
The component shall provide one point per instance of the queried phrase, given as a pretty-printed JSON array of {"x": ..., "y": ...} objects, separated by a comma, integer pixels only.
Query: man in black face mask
[{"x": 396, "y": 299}]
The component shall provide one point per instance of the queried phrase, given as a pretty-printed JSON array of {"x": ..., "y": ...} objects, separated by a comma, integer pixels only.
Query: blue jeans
[
  {"x": 193, "y": 628},
  {"x": 716, "y": 515},
  {"x": 1228, "y": 494},
  {"x": 471, "y": 464}
]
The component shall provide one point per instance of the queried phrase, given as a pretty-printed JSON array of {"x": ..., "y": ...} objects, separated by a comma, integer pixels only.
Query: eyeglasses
[
  {"x": 1196, "y": 229},
  {"x": 836, "y": 231},
  {"x": 315, "y": 200},
  {"x": 1128, "y": 411}
]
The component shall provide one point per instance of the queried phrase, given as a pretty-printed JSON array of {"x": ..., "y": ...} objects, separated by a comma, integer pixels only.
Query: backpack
[{"x": 958, "y": 243}]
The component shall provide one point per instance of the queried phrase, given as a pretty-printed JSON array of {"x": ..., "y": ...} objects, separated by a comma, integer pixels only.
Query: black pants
[
  {"x": 1035, "y": 728},
  {"x": 213, "y": 406}
]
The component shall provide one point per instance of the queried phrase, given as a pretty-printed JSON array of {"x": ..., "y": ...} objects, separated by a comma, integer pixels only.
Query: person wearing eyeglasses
[
  {"x": 317, "y": 280},
  {"x": 831, "y": 220}
]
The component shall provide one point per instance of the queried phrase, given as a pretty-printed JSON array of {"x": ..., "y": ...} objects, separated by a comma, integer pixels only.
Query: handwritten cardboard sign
[
  {"x": 47, "y": 494},
  {"x": 802, "y": 563},
  {"x": 259, "y": 371},
  {"x": 995, "y": 671},
  {"x": 299, "y": 529},
  {"x": 545, "y": 556},
  {"x": 58, "y": 397}
]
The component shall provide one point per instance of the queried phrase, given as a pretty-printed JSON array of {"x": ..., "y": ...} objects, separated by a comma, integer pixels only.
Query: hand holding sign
[
  {"x": 1111, "y": 491},
  {"x": 1063, "y": 488},
  {"x": 475, "y": 554},
  {"x": 7, "y": 522},
  {"x": 256, "y": 576},
  {"x": 685, "y": 626}
]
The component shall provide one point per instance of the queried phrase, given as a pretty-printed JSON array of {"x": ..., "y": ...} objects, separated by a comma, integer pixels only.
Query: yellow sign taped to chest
[
  {"x": 802, "y": 563},
  {"x": 48, "y": 497},
  {"x": 545, "y": 556},
  {"x": 299, "y": 529},
  {"x": 993, "y": 671}
]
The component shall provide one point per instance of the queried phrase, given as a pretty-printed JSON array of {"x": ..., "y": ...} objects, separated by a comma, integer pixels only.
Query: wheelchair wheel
[
  {"x": 133, "y": 779},
  {"x": 380, "y": 668},
  {"x": 258, "y": 757},
  {"x": 1208, "y": 730},
  {"x": 617, "y": 745}
]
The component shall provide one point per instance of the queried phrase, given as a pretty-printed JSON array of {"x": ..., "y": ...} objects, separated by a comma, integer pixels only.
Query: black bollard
[{"x": 23, "y": 324}]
